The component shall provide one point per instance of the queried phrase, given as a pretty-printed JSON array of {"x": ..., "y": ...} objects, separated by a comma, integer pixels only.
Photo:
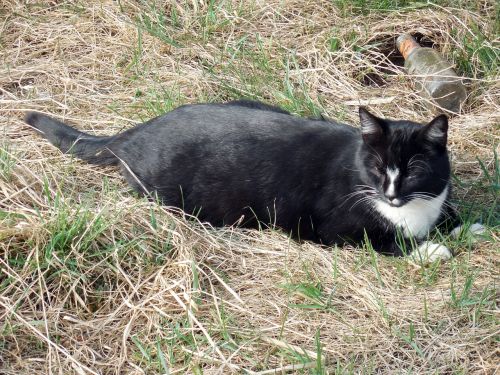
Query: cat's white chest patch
[{"x": 416, "y": 217}]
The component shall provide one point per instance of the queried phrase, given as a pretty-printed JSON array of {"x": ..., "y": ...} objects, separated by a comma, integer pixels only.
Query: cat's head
[{"x": 403, "y": 160}]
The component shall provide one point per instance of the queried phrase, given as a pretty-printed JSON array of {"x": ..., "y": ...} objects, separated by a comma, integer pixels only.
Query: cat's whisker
[
  {"x": 350, "y": 195},
  {"x": 412, "y": 159},
  {"x": 350, "y": 169},
  {"x": 362, "y": 200},
  {"x": 425, "y": 199},
  {"x": 426, "y": 202},
  {"x": 420, "y": 196},
  {"x": 378, "y": 157},
  {"x": 428, "y": 196},
  {"x": 417, "y": 168},
  {"x": 354, "y": 194},
  {"x": 357, "y": 192},
  {"x": 418, "y": 164},
  {"x": 449, "y": 205},
  {"x": 366, "y": 189},
  {"x": 366, "y": 186}
]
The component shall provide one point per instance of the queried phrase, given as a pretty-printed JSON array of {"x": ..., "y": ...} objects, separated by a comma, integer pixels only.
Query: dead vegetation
[{"x": 95, "y": 280}]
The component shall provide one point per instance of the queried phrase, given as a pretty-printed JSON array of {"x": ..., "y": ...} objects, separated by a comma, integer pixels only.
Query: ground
[{"x": 95, "y": 280}]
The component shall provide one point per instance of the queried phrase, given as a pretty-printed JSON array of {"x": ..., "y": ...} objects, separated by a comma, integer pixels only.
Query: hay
[{"x": 137, "y": 288}]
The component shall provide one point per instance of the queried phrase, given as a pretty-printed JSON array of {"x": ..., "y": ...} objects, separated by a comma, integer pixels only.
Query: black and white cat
[{"x": 248, "y": 163}]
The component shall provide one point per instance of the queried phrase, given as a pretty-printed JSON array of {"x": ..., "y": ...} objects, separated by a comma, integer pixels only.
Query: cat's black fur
[{"x": 249, "y": 163}]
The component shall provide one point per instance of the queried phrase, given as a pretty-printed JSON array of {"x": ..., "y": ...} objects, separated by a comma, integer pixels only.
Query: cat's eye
[
  {"x": 413, "y": 175},
  {"x": 415, "y": 172}
]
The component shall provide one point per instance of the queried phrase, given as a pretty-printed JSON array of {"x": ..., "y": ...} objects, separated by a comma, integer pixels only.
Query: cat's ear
[
  {"x": 436, "y": 131},
  {"x": 372, "y": 128}
]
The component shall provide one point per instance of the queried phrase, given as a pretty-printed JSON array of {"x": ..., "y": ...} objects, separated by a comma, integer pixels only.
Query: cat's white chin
[{"x": 416, "y": 217}]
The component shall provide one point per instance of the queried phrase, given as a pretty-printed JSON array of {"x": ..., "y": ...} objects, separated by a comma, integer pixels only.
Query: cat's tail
[{"x": 71, "y": 141}]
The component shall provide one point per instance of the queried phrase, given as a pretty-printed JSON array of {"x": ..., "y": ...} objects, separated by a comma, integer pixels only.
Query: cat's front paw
[
  {"x": 470, "y": 232},
  {"x": 429, "y": 252}
]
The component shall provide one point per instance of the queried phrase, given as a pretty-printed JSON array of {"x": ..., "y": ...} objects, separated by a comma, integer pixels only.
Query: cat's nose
[
  {"x": 394, "y": 201},
  {"x": 391, "y": 197},
  {"x": 390, "y": 194}
]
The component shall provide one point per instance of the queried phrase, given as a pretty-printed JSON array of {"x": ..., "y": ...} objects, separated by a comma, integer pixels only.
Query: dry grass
[{"x": 94, "y": 280}]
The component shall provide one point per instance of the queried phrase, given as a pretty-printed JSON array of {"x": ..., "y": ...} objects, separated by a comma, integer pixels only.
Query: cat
[{"x": 250, "y": 164}]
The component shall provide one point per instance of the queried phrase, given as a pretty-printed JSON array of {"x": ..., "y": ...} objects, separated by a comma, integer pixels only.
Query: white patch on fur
[
  {"x": 429, "y": 252},
  {"x": 392, "y": 174},
  {"x": 436, "y": 132},
  {"x": 369, "y": 123},
  {"x": 471, "y": 231},
  {"x": 369, "y": 128},
  {"x": 416, "y": 217}
]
